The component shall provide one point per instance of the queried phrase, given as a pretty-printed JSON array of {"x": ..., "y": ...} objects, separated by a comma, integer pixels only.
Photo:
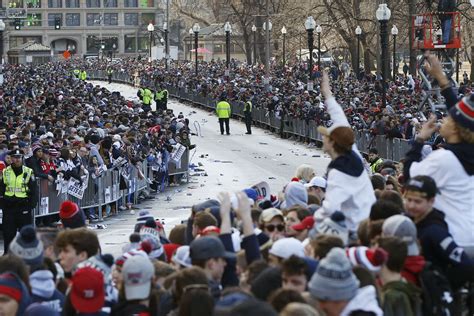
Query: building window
[
  {"x": 33, "y": 19},
  {"x": 93, "y": 3},
  {"x": 218, "y": 48},
  {"x": 52, "y": 17},
  {"x": 131, "y": 18},
  {"x": 148, "y": 18},
  {"x": 131, "y": 4},
  {"x": 147, "y": 3},
  {"x": 55, "y": 4},
  {"x": 130, "y": 44},
  {"x": 92, "y": 45},
  {"x": 110, "y": 18},
  {"x": 32, "y": 4},
  {"x": 93, "y": 19},
  {"x": 73, "y": 19},
  {"x": 143, "y": 43},
  {"x": 110, "y": 3},
  {"x": 73, "y": 4},
  {"x": 15, "y": 3}
]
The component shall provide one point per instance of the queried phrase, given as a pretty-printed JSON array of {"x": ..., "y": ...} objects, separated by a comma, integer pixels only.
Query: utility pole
[
  {"x": 267, "y": 40},
  {"x": 167, "y": 44}
]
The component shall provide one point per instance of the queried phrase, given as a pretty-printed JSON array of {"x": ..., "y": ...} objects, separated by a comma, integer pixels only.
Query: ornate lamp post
[
  {"x": 254, "y": 31},
  {"x": 283, "y": 32},
  {"x": 165, "y": 29},
  {"x": 2, "y": 28},
  {"x": 358, "y": 32},
  {"x": 310, "y": 24},
  {"x": 394, "y": 34},
  {"x": 151, "y": 29},
  {"x": 318, "y": 31},
  {"x": 383, "y": 15},
  {"x": 196, "y": 29},
  {"x": 228, "y": 30}
]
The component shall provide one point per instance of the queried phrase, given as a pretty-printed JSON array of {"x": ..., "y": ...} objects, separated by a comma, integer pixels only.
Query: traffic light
[
  {"x": 17, "y": 24},
  {"x": 57, "y": 23}
]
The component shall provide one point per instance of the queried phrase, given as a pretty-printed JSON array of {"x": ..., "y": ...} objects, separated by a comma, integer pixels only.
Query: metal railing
[
  {"x": 388, "y": 148},
  {"x": 105, "y": 189}
]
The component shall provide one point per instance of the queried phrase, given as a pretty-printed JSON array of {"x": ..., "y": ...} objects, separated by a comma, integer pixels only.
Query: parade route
[{"x": 231, "y": 163}]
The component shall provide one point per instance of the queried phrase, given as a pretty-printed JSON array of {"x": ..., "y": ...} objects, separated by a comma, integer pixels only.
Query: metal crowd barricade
[{"x": 393, "y": 149}]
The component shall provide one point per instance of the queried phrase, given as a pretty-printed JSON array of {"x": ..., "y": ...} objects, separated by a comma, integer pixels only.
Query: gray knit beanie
[{"x": 334, "y": 279}]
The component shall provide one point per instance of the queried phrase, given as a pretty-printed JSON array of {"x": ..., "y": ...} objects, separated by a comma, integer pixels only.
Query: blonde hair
[
  {"x": 305, "y": 173},
  {"x": 299, "y": 309}
]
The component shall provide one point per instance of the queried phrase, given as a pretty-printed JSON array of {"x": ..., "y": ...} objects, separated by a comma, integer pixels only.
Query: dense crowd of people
[
  {"x": 67, "y": 128},
  {"x": 367, "y": 238},
  {"x": 288, "y": 96}
]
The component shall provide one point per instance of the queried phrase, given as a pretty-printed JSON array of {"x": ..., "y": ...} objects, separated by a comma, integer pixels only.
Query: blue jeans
[{"x": 446, "y": 28}]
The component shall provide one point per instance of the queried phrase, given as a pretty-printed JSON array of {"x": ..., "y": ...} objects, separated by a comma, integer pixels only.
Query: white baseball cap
[
  {"x": 317, "y": 182},
  {"x": 137, "y": 272}
]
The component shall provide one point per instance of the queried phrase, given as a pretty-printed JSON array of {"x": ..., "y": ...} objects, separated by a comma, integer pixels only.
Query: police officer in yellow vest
[
  {"x": 147, "y": 98},
  {"x": 223, "y": 113},
  {"x": 161, "y": 99},
  {"x": 248, "y": 116},
  {"x": 17, "y": 197},
  {"x": 83, "y": 75}
]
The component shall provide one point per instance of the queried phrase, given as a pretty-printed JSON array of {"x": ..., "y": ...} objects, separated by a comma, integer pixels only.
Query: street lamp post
[
  {"x": 254, "y": 31},
  {"x": 358, "y": 32},
  {"x": 165, "y": 28},
  {"x": 151, "y": 29},
  {"x": 2, "y": 28},
  {"x": 310, "y": 24},
  {"x": 196, "y": 29},
  {"x": 228, "y": 30},
  {"x": 394, "y": 65},
  {"x": 383, "y": 15},
  {"x": 318, "y": 31},
  {"x": 267, "y": 31},
  {"x": 283, "y": 32},
  {"x": 114, "y": 47},
  {"x": 191, "y": 32}
]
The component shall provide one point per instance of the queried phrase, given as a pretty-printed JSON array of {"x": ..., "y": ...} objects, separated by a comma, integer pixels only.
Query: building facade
[
  {"x": 211, "y": 44},
  {"x": 87, "y": 27}
]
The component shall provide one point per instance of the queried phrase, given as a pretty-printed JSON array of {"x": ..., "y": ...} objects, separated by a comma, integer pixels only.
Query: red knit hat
[
  {"x": 372, "y": 259},
  {"x": 71, "y": 215},
  {"x": 68, "y": 209}
]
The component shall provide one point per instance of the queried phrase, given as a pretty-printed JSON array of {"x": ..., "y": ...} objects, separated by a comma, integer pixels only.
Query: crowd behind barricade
[
  {"x": 289, "y": 97},
  {"x": 351, "y": 242},
  {"x": 69, "y": 130}
]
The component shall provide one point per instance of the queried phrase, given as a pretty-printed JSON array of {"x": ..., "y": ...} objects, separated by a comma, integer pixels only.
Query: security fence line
[
  {"x": 388, "y": 148},
  {"x": 106, "y": 189}
]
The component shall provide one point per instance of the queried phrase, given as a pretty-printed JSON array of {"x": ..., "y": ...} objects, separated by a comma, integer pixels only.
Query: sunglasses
[{"x": 271, "y": 227}]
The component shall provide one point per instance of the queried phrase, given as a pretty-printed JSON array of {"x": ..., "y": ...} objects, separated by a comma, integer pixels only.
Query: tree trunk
[
  {"x": 368, "y": 61},
  {"x": 472, "y": 63},
  {"x": 354, "y": 58},
  {"x": 411, "y": 13}
]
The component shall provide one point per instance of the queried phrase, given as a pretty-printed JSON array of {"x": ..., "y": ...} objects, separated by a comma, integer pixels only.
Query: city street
[{"x": 231, "y": 163}]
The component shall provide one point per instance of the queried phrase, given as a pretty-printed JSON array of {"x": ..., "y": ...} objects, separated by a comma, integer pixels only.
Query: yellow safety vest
[
  {"x": 147, "y": 96},
  {"x": 375, "y": 165},
  {"x": 83, "y": 75},
  {"x": 17, "y": 185},
  {"x": 223, "y": 109},
  {"x": 248, "y": 106}
]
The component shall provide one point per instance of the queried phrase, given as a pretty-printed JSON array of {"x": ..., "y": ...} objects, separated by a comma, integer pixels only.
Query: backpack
[{"x": 437, "y": 295}]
